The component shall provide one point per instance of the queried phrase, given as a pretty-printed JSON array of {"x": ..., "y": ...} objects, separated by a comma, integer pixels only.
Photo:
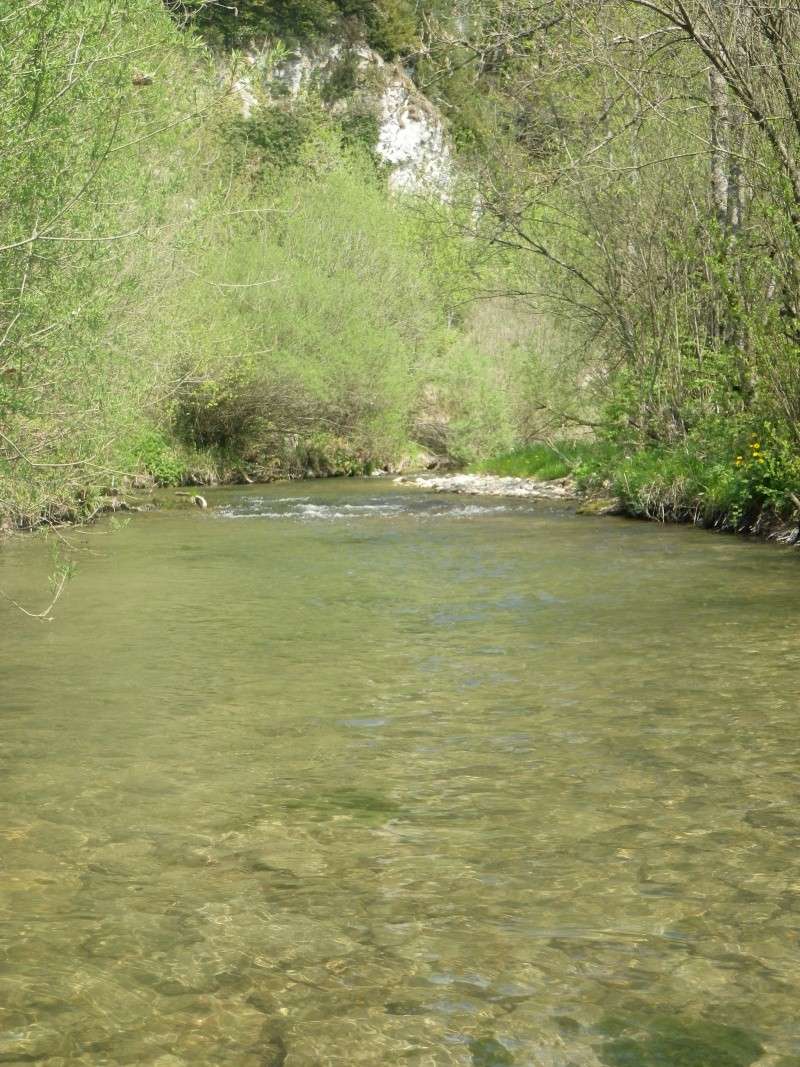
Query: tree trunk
[{"x": 720, "y": 146}]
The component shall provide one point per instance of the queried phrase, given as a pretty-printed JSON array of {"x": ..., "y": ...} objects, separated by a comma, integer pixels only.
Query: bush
[
  {"x": 723, "y": 476},
  {"x": 360, "y": 130},
  {"x": 233, "y": 24},
  {"x": 249, "y": 290},
  {"x": 244, "y": 415},
  {"x": 101, "y": 160},
  {"x": 277, "y": 133},
  {"x": 390, "y": 26},
  {"x": 310, "y": 313},
  {"x": 149, "y": 452}
]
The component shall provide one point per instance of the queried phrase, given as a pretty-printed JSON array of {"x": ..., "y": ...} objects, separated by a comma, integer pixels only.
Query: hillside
[{"x": 284, "y": 239}]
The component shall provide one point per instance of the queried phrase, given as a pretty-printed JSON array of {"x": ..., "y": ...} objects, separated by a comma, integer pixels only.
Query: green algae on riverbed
[{"x": 344, "y": 773}]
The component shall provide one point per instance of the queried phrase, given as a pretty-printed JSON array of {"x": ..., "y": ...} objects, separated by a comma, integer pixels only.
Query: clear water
[{"x": 343, "y": 773}]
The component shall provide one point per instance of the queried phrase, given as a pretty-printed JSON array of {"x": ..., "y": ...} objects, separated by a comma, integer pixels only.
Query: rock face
[
  {"x": 412, "y": 140},
  {"x": 354, "y": 79}
]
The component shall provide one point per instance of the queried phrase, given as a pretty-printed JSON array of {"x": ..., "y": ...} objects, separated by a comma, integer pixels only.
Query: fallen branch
[{"x": 41, "y": 614}]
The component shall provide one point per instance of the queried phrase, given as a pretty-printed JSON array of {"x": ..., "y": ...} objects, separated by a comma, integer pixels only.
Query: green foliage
[
  {"x": 342, "y": 80},
  {"x": 464, "y": 410},
  {"x": 686, "y": 319},
  {"x": 767, "y": 476},
  {"x": 390, "y": 26},
  {"x": 233, "y": 25},
  {"x": 722, "y": 476},
  {"x": 360, "y": 130},
  {"x": 96, "y": 171},
  {"x": 321, "y": 311},
  {"x": 148, "y": 451},
  {"x": 277, "y": 134},
  {"x": 182, "y": 289},
  {"x": 313, "y": 313},
  {"x": 542, "y": 461}
]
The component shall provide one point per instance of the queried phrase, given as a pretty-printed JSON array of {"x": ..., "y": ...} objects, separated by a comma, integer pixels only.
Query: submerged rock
[{"x": 602, "y": 505}]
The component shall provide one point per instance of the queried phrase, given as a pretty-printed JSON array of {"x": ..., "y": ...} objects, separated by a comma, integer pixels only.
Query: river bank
[
  {"x": 141, "y": 495},
  {"x": 582, "y": 488},
  {"x": 592, "y": 501},
  {"x": 748, "y": 486}
]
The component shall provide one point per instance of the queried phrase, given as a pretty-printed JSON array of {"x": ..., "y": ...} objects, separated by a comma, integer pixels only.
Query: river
[{"x": 345, "y": 773}]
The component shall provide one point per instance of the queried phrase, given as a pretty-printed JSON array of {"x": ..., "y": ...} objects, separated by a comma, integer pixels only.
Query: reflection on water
[{"x": 394, "y": 778}]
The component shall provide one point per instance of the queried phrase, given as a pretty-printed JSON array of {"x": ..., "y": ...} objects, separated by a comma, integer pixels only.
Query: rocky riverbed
[{"x": 493, "y": 485}]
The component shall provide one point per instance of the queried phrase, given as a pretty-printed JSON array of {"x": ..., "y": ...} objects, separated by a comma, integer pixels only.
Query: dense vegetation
[
  {"x": 390, "y": 26},
  {"x": 639, "y": 160},
  {"x": 186, "y": 294}
]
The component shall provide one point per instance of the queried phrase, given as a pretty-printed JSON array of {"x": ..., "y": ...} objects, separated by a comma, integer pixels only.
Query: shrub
[
  {"x": 149, "y": 451},
  {"x": 233, "y": 24},
  {"x": 306, "y": 314},
  {"x": 360, "y": 130},
  {"x": 277, "y": 133},
  {"x": 390, "y": 26},
  {"x": 242, "y": 414}
]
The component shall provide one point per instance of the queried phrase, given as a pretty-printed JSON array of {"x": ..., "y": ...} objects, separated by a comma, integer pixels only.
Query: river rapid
[{"x": 345, "y": 773}]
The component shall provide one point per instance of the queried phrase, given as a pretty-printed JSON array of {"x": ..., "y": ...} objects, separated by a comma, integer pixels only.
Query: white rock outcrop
[
  {"x": 243, "y": 88},
  {"x": 412, "y": 140},
  {"x": 412, "y": 136}
]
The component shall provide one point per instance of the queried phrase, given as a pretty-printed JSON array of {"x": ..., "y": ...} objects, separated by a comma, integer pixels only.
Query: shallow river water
[{"x": 344, "y": 773}]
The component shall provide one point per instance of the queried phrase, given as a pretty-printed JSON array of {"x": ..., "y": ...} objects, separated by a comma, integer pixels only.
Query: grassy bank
[
  {"x": 748, "y": 485},
  {"x": 543, "y": 461}
]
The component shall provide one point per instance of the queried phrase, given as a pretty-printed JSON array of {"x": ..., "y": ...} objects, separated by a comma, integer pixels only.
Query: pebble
[{"x": 493, "y": 485}]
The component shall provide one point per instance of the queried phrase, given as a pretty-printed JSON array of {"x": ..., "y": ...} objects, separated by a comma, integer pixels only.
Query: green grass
[
  {"x": 543, "y": 461},
  {"x": 744, "y": 481},
  {"x": 739, "y": 485}
]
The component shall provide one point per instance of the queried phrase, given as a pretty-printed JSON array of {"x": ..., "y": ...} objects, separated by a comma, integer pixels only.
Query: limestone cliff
[{"x": 410, "y": 133}]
